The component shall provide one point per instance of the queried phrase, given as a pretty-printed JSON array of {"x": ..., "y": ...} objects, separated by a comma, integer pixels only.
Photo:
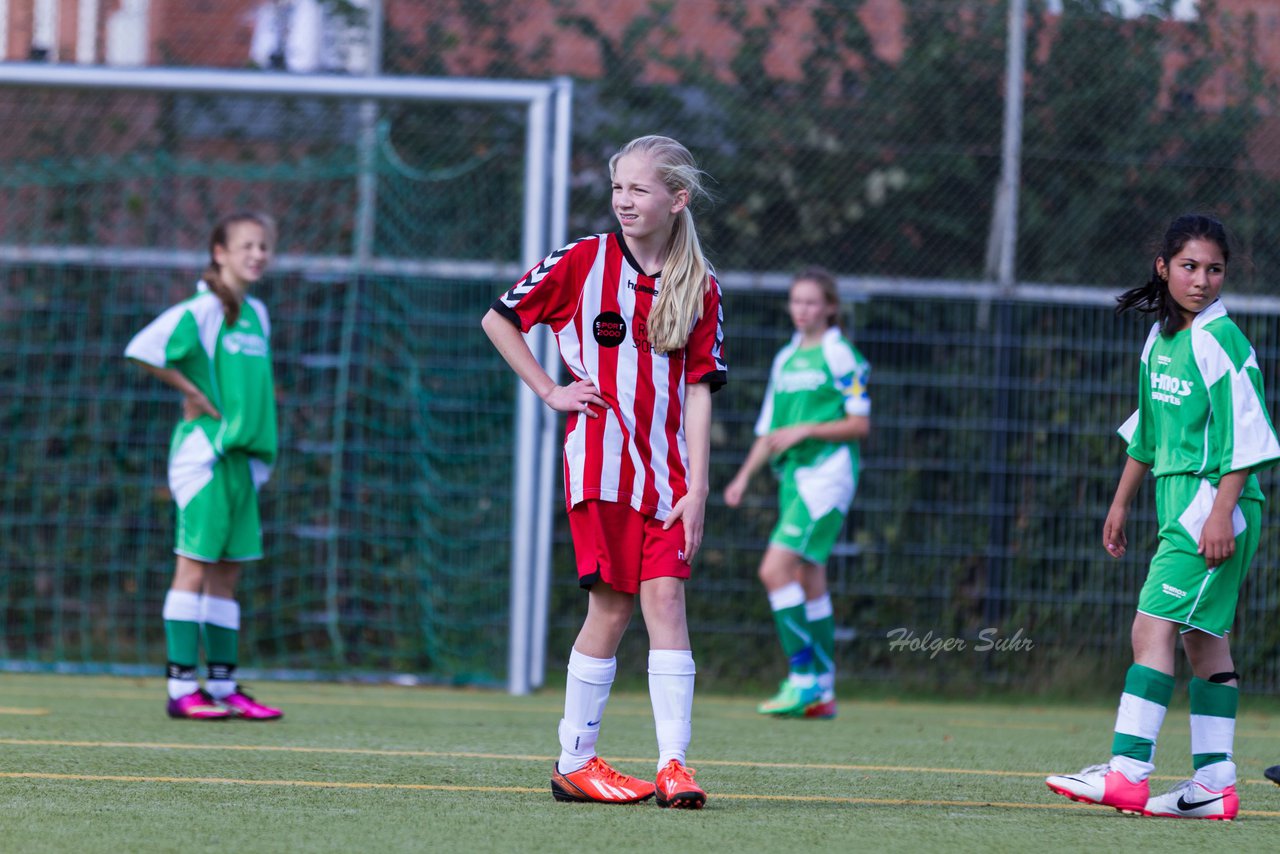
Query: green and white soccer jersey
[
  {"x": 1200, "y": 415},
  {"x": 217, "y": 465},
  {"x": 817, "y": 480}
]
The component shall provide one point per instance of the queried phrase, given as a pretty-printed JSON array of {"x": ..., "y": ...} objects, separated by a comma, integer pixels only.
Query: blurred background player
[
  {"x": 1202, "y": 429},
  {"x": 638, "y": 320},
  {"x": 816, "y": 411},
  {"x": 214, "y": 349}
]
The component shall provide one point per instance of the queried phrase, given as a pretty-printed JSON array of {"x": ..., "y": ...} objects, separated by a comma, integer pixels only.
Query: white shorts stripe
[{"x": 191, "y": 467}]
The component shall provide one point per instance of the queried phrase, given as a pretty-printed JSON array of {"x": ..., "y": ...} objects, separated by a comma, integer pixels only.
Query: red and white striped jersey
[{"x": 596, "y": 300}]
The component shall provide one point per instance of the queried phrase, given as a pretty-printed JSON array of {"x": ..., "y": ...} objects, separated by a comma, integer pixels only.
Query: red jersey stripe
[{"x": 597, "y": 300}]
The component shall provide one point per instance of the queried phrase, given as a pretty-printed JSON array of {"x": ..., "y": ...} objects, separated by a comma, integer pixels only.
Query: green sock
[
  {"x": 1213, "y": 721},
  {"x": 822, "y": 627},
  {"x": 221, "y": 618},
  {"x": 1146, "y": 697},
  {"x": 182, "y": 640},
  {"x": 182, "y": 628},
  {"x": 793, "y": 628},
  {"x": 221, "y": 645}
]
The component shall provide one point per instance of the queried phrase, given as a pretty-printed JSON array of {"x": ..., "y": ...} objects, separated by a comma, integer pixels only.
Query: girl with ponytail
[
  {"x": 637, "y": 317},
  {"x": 214, "y": 348},
  {"x": 1203, "y": 430}
]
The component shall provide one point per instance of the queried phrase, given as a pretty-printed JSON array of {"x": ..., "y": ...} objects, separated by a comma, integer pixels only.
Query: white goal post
[{"x": 544, "y": 227}]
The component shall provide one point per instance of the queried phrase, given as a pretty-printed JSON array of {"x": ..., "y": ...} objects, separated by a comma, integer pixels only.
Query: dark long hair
[
  {"x": 213, "y": 273},
  {"x": 1153, "y": 297}
]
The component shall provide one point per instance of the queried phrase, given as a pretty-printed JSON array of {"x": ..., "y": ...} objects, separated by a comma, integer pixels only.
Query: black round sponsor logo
[{"x": 609, "y": 328}]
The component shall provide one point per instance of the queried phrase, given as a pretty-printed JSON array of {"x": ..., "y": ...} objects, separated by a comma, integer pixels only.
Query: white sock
[
  {"x": 1217, "y": 776},
  {"x": 671, "y": 676},
  {"x": 586, "y": 691},
  {"x": 786, "y": 596},
  {"x": 1134, "y": 770}
]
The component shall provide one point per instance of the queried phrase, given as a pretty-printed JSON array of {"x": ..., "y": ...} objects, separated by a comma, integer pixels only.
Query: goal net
[{"x": 404, "y": 207}]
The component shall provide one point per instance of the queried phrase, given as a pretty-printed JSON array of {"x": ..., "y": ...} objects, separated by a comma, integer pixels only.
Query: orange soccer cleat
[
  {"x": 676, "y": 787},
  {"x": 598, "y": 783}
]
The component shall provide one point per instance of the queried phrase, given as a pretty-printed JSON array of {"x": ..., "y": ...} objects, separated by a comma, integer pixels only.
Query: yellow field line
[
  {"x": 518, "y": 757},
  {"x": 527, "y": 757},
  {"x": 430, "y": 698},
  {"x": 307, "y": 784},
  {"x": 427, "y": 787},
  {"x": 16, "y": 710}
]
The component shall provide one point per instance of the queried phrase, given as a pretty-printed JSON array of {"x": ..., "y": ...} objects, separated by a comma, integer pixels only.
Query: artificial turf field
[{"x": 92, "y": 764}]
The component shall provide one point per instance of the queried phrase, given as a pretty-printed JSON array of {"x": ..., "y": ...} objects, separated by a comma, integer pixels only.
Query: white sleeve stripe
[
  {"x": 150, "y": 344},
  {"x": 260, "y": 308},
  {"x": 839, "y": 355},
  {"x": 765, "y": 419},
  {"x": 1253, "y": 440},
  {"x": 1129, "y": 427}
]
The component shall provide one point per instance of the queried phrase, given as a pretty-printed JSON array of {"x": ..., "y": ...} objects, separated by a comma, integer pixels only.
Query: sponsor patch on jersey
[
  {"x": 244, "y": 343},
  {"x": 791, "y": 382},
  {"x": 1173, "y": 591},
  {"x": 609, "y": 329}
]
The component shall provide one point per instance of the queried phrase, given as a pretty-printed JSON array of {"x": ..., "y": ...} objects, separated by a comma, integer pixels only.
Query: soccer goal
[{"x": 408, "y": 526}]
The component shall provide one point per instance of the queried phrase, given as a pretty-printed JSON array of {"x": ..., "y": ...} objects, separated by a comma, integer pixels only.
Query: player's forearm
[
  {"x": 851, "y": 428},
  {"x": 756, "y": 458},
  {"x": 1130, "y": 479},
  {"x": 1230, "y": 487},
  {"x": 171, "y": 377},
  {"x": 697, "y": 437},
  {"x": 515, "y": 350}
]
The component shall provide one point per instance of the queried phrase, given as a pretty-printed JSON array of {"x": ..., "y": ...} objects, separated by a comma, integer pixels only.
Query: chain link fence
[{"x": 863, "y": 136}]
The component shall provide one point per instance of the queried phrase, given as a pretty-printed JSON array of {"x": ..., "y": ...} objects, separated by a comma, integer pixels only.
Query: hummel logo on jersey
[
  {"x": 644, "y": 289},
  {"x": 1184, "y": 804},
  {"x": 679, "y": 554}
]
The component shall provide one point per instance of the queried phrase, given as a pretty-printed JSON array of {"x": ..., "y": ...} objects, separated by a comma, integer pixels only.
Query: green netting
[{"x": 386, "y": 521}]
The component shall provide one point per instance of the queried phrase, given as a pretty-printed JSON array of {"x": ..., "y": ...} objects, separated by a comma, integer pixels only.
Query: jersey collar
[
  {"x": 1210, "y": 313},
  {"x": 626, "y": 253}
]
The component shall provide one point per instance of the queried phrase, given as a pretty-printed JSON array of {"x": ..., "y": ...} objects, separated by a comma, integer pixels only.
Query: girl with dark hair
[
  {"x": 214, "y": 349},
  {"x": 1202, "y": 429},
  {"x": 815, "y": 413}
]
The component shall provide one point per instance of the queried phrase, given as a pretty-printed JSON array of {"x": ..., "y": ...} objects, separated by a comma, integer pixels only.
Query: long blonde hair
[
  {"x": 213, "y": 272},
  {"x": 686, "y": 274}
]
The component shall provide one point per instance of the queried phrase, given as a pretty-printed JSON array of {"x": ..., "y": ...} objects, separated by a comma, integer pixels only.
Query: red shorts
[{"x": 620, "y": 546}]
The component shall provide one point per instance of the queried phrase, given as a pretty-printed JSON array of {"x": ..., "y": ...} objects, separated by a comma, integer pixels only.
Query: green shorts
[
  {"x": 812, "y": 504},
  {"x": 1179, "y": 586},
  {"x": 217, "y": 498}
]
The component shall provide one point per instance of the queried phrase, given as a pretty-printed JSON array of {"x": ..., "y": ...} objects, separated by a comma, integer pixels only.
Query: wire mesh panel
[
  {"x": 863, "y": 136},
  {"x": 992, "y": 462},
  {"x": 387, "y": 521}
]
